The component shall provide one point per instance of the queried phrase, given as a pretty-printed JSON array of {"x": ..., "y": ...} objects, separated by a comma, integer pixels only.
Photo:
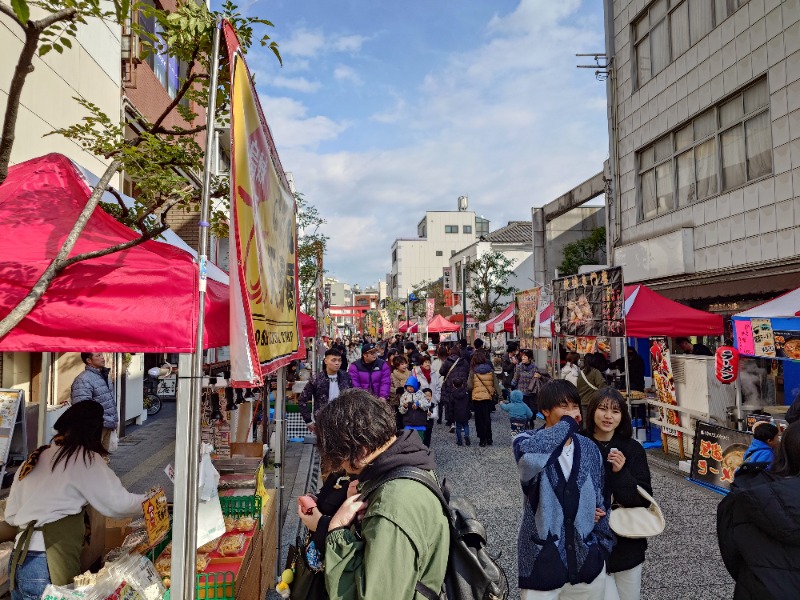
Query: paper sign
[
  {"x": 763, "y": 339},
  {"x": 156, "y": 516},
  {"x": 210, "y": 521},
  {"x": 744, "y": 338},
  {"x": 170, "y": 471}
]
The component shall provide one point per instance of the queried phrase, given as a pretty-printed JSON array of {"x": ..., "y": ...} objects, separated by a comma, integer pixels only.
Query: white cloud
[
  {"x": 298, "y": 84},
  {"x": 303, "y": 43},
  {"x": 345, "y": 73},
  {"x": 511, "y": 122},
  {"x": 292, "y": 125},
  {"x": 349, "y": 43}
]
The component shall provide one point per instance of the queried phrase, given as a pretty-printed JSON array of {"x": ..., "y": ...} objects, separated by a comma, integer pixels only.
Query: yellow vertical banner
[{"x": 263, "y": 238}]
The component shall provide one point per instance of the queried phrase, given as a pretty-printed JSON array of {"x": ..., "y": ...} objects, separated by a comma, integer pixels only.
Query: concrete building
[
  {"x": 89, "y": 70},
  {"x": 514, "y": 241},
  {"x": 704, "y": 123},
  {"x": 440, "y": 235}
]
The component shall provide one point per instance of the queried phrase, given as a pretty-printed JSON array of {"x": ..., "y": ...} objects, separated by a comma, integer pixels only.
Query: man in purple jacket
[{"x": 371, "y": 373}]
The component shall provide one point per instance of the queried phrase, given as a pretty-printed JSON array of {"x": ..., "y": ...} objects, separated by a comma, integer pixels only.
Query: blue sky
[{"x": 383, "y": 110}]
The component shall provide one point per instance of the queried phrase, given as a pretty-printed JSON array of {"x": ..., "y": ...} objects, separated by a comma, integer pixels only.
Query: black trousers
[
  {"x": 483, "y": 420},
  {"x": 428, "y": 432},
  {"x": 530, "y": 400}
]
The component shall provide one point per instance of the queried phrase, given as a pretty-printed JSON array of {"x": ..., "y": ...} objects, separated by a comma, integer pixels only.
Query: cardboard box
[
  {"x": 247, "y": 449},
  {"x": 116, "y": 530}
]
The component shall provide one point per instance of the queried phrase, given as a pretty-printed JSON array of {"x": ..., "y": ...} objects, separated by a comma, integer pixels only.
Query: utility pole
[
  {"x": 408, "y": 302},
  {"x": 464, "y": 295}
]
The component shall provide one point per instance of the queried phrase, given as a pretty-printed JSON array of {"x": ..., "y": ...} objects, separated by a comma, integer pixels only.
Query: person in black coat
[
  {"x": 455, "y": 372},
  {"x": 635, "y": 369},
  {"x": 758, "y": 527},
  {"x": 608, "y": 423}
]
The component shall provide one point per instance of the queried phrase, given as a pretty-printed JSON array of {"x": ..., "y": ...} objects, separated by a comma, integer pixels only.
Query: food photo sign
[
  {"x": 590, "y": 304},
  {"x": 718, "y": 452}
]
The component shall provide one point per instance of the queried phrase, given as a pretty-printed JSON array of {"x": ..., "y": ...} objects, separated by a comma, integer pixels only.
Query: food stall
[{"x": 592, "y": 309}]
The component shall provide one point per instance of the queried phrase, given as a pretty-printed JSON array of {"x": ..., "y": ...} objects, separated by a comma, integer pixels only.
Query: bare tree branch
[
  {"x": 181, "y": 92},
  {"x": 153, "y": 233},
  {"x": 177, "y": 131},
  {"x": 9, "y": 12},
  {"x": 66, "y": 14},
  {"x": 120, "y": 201}
]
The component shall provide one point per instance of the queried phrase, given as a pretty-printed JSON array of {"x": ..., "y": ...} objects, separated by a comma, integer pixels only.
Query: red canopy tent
[
  {"x": 439, "y": 324},
  {"x": 408, "y": 327},
  {"x": 143, "y": 299},
  {"x": 502, "y": 322},
  {"x": 649, "y": 314},
  {"x": 308, "y": 325}
]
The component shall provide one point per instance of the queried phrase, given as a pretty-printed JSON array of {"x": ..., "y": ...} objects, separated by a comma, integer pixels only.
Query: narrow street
[{"x": 683, "y": 562}]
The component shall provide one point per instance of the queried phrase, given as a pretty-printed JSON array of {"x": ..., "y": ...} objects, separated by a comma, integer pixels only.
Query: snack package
[
  {"x": 230, "y": 524},
  {"x": 245, "y": 524},
  {"x": 164, "y": 564},
  {"x": 232, "y": 545},
  {"x": 57, "y": 592},
  {"x": 140, "y": 574},
  {"x": 136, "y": 541}
]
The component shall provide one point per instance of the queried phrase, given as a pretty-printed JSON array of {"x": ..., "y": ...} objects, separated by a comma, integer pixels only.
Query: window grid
[
  {"x": 661, "y": 186},
  {"x": 467, "y": 229},
  {"x": 668, "y": 28},
  {"x": 451, "y": 228}
]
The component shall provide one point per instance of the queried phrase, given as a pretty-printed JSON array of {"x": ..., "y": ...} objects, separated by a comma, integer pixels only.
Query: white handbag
[{"x": 637, "y": 522}]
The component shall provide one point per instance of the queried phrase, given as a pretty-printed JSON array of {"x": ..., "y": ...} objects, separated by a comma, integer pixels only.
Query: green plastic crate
[
  {"x": 242, "y": 506},
  {"x": 212, "y": 586}
]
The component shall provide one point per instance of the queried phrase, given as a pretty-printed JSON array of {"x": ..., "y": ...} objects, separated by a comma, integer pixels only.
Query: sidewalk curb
[{"x": 657, "y": 460}]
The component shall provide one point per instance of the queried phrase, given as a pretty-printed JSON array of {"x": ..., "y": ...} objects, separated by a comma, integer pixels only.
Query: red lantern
[{"x": 727, "y": 366}]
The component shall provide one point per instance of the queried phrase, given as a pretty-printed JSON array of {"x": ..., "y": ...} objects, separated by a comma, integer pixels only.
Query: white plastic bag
[
  {"x": 209, "y": 476},
  {"x": 113, "y": 441}
]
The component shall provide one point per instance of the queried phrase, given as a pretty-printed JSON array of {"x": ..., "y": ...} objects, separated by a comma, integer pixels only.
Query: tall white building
[{"x": 440, "y": 235}]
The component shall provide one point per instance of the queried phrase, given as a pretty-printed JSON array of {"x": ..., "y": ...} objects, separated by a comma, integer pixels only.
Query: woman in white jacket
[
  {"x": 570, "y": 371},
  {"x": 48, "y": 497}
]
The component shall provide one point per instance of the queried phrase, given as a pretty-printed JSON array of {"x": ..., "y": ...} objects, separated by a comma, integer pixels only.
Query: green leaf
[
  {"x": 58, "y": 48},
  {"x": 21, "y": 10},
  {"x": 66, "y": 42},
  {"x": 44, "y": 49}
]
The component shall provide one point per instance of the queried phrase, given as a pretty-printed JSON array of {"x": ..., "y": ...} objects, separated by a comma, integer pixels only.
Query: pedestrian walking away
[
  {"x": 758, "y": 525},
  {"x": 590, "y": 381},
  {"x": 399, "y": 538},
  {"x": 564, "y": 537},
  {"x": 483, "y": 386},
  {"x": 371, "y": 373},
  {"x": 527, "y": 379},
  {"x": 455, "y": 372},
  {"x": 93, "y": 384},
  {"x": 609, "y": 425}
]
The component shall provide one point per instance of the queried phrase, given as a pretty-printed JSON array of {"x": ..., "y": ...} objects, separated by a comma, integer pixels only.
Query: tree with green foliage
[
  {"x": 590, "y": 250},
  {"x": 155, "y": 153},
  {"x": 487, "y": 283},
  {"x": 311, "y": 245}
]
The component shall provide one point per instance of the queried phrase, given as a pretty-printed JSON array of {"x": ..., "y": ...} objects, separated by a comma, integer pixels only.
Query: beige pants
[{"x": 582, "y": 591}]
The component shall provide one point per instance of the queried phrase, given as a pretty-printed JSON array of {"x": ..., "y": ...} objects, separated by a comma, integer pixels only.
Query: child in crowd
[
  {"x": 414, "y": 407},
  {"x": 428, "y": 392},
  {"x": 564, "y": 538},
  {"x": 519, "y": 412},
  {"x": 765, "y": 441}
]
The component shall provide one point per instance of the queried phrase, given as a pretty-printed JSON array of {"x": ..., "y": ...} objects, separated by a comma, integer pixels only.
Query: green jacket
[
  {"x": 585, "y": 390},
  {"x": 405, "y": 539}
]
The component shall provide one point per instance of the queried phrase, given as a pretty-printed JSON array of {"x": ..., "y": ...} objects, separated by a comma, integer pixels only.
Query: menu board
[
  {"x": 718, "y": 452},
  {"x": 590, "y": 304},
  {"x": 763, "y": 338},
  {"x": 10, "y": 401},
  {"x": 744, "y": 337},
  {"x": 527, "y": 305},
  {"x": 664, "y": 384}
]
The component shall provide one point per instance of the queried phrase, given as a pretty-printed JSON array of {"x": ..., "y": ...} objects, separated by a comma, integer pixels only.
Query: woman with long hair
[
  {"x": 608, "y": 424},
  {"x": 758, "y": 525},
  {"x": 48, "y": 498},
  {"x": 483, "y": 387}
]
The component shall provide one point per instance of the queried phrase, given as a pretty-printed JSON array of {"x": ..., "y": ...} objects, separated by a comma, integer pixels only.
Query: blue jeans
[
  {"x": 31, "y": 578},
  {"x": 462, "y": 427}
]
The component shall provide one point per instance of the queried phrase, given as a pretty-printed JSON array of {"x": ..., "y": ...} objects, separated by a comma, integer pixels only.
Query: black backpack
[{"x": 472, "y": 573}]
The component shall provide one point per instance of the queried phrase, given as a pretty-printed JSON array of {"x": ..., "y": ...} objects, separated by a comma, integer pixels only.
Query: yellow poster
[{"x": 264, "y": 319}]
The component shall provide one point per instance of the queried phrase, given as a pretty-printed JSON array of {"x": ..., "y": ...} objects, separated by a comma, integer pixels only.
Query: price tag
[
  {"x": 156, "y": 516},
  {"x": 170, "y": 471}
]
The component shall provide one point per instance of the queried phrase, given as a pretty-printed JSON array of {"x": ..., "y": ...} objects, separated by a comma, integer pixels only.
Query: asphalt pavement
[{"x": 683, "y": 562}]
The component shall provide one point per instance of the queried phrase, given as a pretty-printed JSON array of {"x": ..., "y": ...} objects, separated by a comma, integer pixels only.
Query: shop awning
[
  {"x": 439, "y": 324},
  {"x": 502, "y": 322},
  {"x": 545, "y": 323},
  {"x": 308, "y": 326},
  {"x": 143, "y": 299},
  {"x": 776, "y": 320},
  {"x": 459, "y": 318}
]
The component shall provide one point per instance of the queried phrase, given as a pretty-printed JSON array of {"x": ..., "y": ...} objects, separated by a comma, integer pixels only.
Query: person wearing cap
[
  {"x": 48, "y": 498},
  {"x": 325, "y": 387},
  {"x": 371, "y": 373}
]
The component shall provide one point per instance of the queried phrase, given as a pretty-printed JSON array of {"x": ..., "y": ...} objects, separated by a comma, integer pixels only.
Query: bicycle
[{"x": 152, "y": 403}]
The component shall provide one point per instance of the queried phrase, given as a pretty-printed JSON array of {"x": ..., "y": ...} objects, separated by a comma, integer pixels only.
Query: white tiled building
[{"x": 706, "y": 150}]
